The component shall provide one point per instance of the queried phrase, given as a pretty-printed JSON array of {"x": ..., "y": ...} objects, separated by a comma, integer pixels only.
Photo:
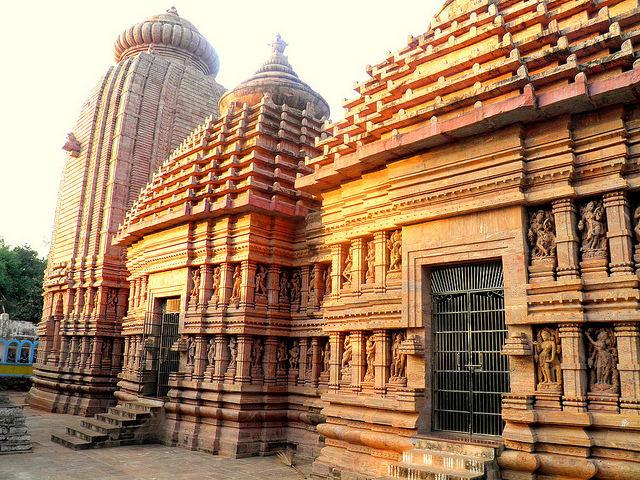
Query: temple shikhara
[{"x": 441, "y": 284}]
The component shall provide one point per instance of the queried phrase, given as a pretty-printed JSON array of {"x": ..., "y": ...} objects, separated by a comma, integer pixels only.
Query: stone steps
[
  {"x": 126, "y": 424},
  {"x": 436, "y": 459}
]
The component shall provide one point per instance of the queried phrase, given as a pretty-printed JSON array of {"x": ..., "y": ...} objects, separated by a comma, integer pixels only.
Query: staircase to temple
[
  {"x": 434, "y": 459},
  {"x": 129, "y": 423}
]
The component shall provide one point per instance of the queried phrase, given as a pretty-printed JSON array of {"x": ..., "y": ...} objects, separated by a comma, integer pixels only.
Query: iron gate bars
[{"x": 468, "y": 322}]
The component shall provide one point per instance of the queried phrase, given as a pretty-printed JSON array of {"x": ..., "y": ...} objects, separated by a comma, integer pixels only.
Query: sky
[{"x": 55, "y": 52}]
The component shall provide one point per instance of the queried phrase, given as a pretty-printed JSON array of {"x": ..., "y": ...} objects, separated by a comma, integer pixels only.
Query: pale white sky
[{"x": 53, "y": 53}]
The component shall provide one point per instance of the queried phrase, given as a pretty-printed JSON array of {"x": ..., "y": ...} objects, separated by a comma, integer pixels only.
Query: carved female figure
[
  {"x": 370, "y": 259},
  {"x": 195, "y": 289},
  {"x": 347, "y": 353},
  {"x": 398, "y": 359},
  {"x": 281, "y": 356},
  {"x": 296, "y": 286},
  {"x": 294, "y": 355},
  {"x": 547, "y": 357},
  {"x": 326, "y": 357},
  {"x": 592, "y": 227},
  {"x": 191, "y": 351},
  {"x": 394, "y": 244},
  {"x": 237, "y": 279},
  {"x": 326, "y": 279},
  {"x": 216, "y": 281},
  {"x": 313, "y": 280},
  {"x": 348, "y": 264},
  {"x": 233, "y": 352},
  {"x": 261, "y": 280},
  {"x": 602, "y": 361},
  {"x": 211, "y": 352},
  {"x": 541, "y": 234},
  {"x": 256, "y": 356},
  {"x": 284, "y": 287},
  {"x": 370, "y": 351}
]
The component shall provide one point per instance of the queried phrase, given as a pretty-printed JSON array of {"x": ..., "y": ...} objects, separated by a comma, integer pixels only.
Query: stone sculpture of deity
[
  {"x": 541, "y": 234},
  {"x": 602, "y": 361},
  {"x": 394, "y": 244},
  {"x": 195, "y": 288},
  {"x": 347, "y": 354},
  {"x": 233, "y": 352},
  {"x": 294, "y": 356},
  {"x": 284, "y": 287},
  {"x": 261, "y": 280},
  {"x": 398, "y": 359},
  {"x": 370, "y": 259},
  {"x": 237, "y": 280},
  {"x": 348, "y": 265},
  {"x": 593, "y": 229},
  {"x": 191, "y": 351},
  {"x": 216, "y": 280},
  {"x": 296, "y": 286},
  {"x": 370, "y": 352},
  {"x": 211, "y": 352},
  {"x": 313, "y": 280},
  {"x": 281, "y": 357},
  {"x": 548, "y": 359},
  {"x": 326, "y": 357},
  {"x": 257, "y": 350}
]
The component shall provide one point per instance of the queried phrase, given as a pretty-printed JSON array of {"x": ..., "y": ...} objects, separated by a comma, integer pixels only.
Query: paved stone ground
[{"x": 51, "y": 461}]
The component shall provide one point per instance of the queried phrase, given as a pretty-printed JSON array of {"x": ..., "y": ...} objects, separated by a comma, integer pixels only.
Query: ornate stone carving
[
  {"x": 233, "y": 352},
  {"x": 296, "y": 286},
  {"x": 261, "y": 280},
  {"x": 191, "y": 351},
  {"x": 326, "y": 280},
  {"x": 347, "y": 355},
  {"x": 211, "y": 353},
  {"x": 326, "y": 357},
  {"x": 284, "y": 287},
  {"x": 309, "y": 358},
  {"x": 237, "y": 281},
  {"x": 394, "y": 244},
  {"x": 257, "y": 350},
  {"x": 217, "y": 272},
  {"x": 398, "y": 359},
  {"x": 348, "y": 265},
  {"x": 593, "y": 228},
  {"x": 370, "y": 352},
  {"x": 294, "y": 356},
  {"x": 195, "y": 286},
  {"x": 281, "y": 357},
  {"x": 602, "y": 361},
  {"x": 541, "y": 234},
  {"x": 112, "y": 299},
  {"x": 313, "y": 280},
  {"x": 548, "y": 357},
  {"x": 370, "y": 260},
  {"x": 636, "y": 222}
]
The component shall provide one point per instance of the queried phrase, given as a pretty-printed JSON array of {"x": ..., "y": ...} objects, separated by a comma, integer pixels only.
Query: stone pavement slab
[{"x": 51, "y": 461}]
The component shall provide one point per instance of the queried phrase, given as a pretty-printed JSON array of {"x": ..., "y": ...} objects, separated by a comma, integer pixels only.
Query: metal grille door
[
  {"x": 168, "y": 359},
  {"x": 470, "y": 374}
]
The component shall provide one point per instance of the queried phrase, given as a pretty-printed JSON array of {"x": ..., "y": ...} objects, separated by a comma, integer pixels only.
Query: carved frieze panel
[
  {"x": 602, "y": 361},
  {"x": 548, "y": 358},
  {"x": 593, "y": 230}
]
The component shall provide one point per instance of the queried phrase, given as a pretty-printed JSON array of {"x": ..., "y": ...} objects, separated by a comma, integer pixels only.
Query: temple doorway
[{"x": 469, "y": 373}]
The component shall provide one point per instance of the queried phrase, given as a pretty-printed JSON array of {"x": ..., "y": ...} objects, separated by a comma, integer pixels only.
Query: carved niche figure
[
  {"x": 281, "y": 357},
  {"x": 112, "y": 299},
  {"x": 284, "y": 287},
  {"x": 211, "y": 352},
  {"x": 370, "y": 259},
  {"x": 256, "y": 357},
  {"x": 261, "y": 280},
  {"x": 636, "y": 222},
  {"x": 347, "y": 354},
  {"x": 106, "y": 348},
  {"x": 394, "y": 244},
  {"x": 191, "y": 351},
  {"x": 309, "y": 361},
  {"x": 548, "y": 359},
  {"x": 348, "y": 265},
  {"x": 541, "y": 236},
  {"x": 216, "y": 281},
  {"x": 398, "y": 359},
  {"x": 326, "y": 357},
  {"x": 294, "y": 356},
  {"x": 592, "y": 226},
  {"x": 313, "y": 280},
  {"x": 370, "y": 351},
  {"x": 237, "y": 280},
  {"x": 233, "y": 352},
  {"x": 296, "y": 286},
  {"x": 195, "y": 282},
  {"x": 602, "y": 361},
  {"x": 326, "y": 280}
]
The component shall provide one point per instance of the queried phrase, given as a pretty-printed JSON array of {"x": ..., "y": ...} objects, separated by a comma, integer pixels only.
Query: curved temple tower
[{"x": 161, "y": 87}]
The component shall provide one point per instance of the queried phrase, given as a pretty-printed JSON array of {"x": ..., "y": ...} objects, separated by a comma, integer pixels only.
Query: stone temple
[{"x": 443, "y": 284}]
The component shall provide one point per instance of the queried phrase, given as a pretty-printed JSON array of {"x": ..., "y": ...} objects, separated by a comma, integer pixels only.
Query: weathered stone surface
[{"x": 13, "y": 431}]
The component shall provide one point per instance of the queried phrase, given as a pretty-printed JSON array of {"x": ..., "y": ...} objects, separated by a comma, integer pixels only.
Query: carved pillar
[
  {"x": 222, "y": 358},
  {"x": 305, "y": 343},
  {"x": 95, "y": 356},
  {"x": 64, "y": 356},
  {"x": 619, "y": 233},
  {"x": 336, "y": 339},
  {"x": 247, "y": 288},
  {"x": 565, "y": 217},
  {"x": 116, "y": 354},
  {"x": 273, "y": 281},
  {"x": 380, "y": 240},
  {"x": 316, "y": 356},
  {"x": 226, "y": 282},
  {"x": 337, "y": 260},
  {"x": 359, "y": 251},
  {"x": 72, "y": 357},
  {"x": 200, "y": 362},
  {"x": 315, "y": 291},
  {"x": 383, "y": 359},
  {"x": 77, "y": 311},
  {"x": 243, "y": 362},
  {"x": 206, "y": 284},
  {"x": 628, "y": 339},
  {"x": 359, "y": 362},
  {"x": 574, "y": 371},
  {"x": 269, "y": 359}
]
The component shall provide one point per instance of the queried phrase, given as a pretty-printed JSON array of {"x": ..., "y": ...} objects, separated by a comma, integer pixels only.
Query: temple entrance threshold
[{"x": 470, "y": 374}]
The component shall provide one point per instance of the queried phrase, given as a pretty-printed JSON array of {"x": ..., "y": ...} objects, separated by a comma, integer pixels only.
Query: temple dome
[
  {"x": 277, "y": 79},
  {"x": 168, "y": 34}
]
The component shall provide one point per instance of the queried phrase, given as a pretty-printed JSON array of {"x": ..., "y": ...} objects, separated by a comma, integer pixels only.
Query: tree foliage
[{"x": 21, "y": 274}]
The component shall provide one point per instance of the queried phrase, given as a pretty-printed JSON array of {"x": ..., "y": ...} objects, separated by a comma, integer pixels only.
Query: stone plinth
[{"x": 13, "y": 430}]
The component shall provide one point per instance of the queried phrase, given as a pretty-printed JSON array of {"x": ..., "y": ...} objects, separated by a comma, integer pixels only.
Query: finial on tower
[
  {"x": 172, "y": 11},
  {"x": 278, "y": 45}
]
